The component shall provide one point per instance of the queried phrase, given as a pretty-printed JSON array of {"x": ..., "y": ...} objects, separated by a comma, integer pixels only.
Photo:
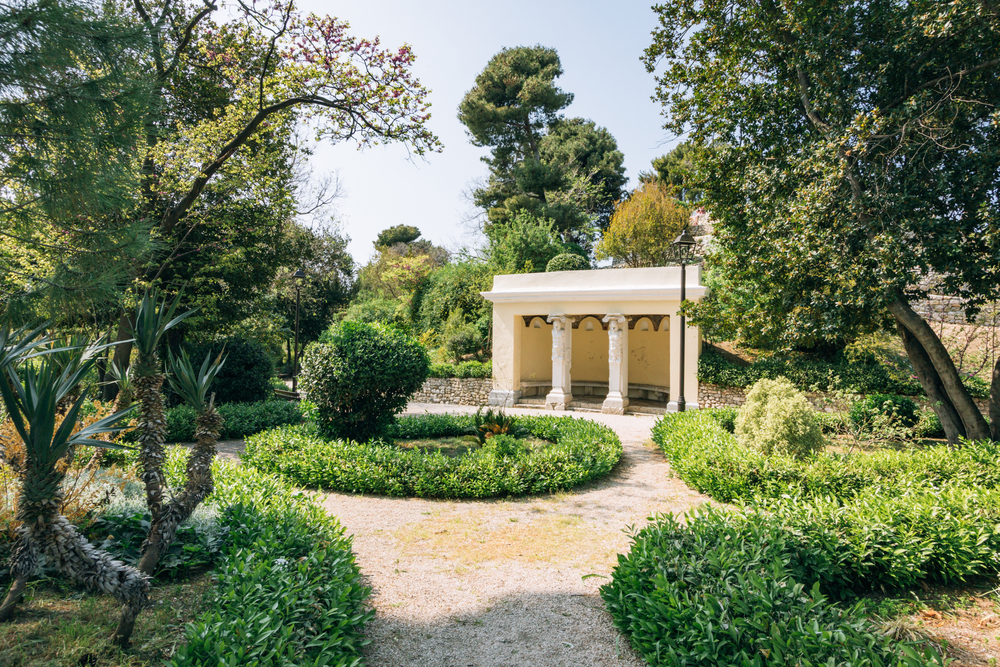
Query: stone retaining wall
[
  {"x": 714, "y": 396},
  {"x": 457, "y": 391}
]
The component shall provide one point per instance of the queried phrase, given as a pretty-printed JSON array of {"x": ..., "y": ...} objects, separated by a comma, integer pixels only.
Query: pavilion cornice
[{"x": 667, "y": 293}]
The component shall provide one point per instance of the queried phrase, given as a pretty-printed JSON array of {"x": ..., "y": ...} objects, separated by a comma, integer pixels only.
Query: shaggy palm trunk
[
  {"x": 46, "y": 534},
  {"x": 935, "y": 368},
  {"x": 152, "y": 431},
  {"x": 198, "y": 486}
]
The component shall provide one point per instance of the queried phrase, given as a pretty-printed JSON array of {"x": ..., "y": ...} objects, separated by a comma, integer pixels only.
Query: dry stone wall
[{"x": 456, "y": 391}]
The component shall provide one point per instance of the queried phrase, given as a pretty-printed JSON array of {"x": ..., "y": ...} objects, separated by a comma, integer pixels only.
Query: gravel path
[{"x": 499, "y": 583}]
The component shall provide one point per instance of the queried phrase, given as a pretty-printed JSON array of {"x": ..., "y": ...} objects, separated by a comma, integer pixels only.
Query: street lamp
[
  {"x": 298, "y": 276},
  {"x": 685, "y": 248}
]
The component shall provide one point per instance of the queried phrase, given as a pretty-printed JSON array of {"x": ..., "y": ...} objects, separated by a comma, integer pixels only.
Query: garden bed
[
  {"x": 782, "y": 575},
  {"x": 578, "y": 451}
]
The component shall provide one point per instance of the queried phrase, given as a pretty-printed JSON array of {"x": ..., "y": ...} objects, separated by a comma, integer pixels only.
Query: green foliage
[
  {"x": 193, "y": 385},
  {"x": 929, "y": 425},
  {"x": 466, "y": 369},
  {"x": 371, "y": 311},
  {"x": 778, "y": 419},
  {"x": 241, "y": 420},
  {"x": 826, "y": 206},
  {"x": 288, "y": 589},
  {"x": 711, "y": 460},
  {"x": 487, "y": 425},
  {"x": 581, "y": 451},
  {"x": 455, "y": 287},
  {"x": 862, "y": 376},
  {"x": 196, "y": 545},
  {"x": 567, "y": 262},
  {"x": 362, "y": 378},
  {"x": 396, "y": 234},
  {"x": 899, "y": 410},
  {"x": 720, "y": 589},
  {"x": 525, "y": 244},
  {"x": 246, "y": 375},
  {"x": 643, "y": 227},
  {"x": 461, "y": 338},
  {"x": 679, "y": 168}
]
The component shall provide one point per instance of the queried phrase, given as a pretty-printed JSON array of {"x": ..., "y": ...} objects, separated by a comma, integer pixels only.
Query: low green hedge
[
  {"x": 725, "y": 589},
  {"x": 466, "y": 369},
  {"x": 581, "y": 451},
  {"x": 288, "y": 590},
  {"x": 707, "y": 457},
  {"x": 241, "y": 420},
  {"x": 862, "y": 378}
]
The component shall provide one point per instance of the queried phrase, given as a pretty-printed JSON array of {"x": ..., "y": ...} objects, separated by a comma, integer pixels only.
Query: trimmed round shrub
[
  {"x": 362, "y": 378},
  {"x": 898, "y": 410},
  {"x": 778, "y": 419},
  {"x": 567, "y": 262},
  {"x": 581, "y": 451},
  {"x": 246, "y": 375}
]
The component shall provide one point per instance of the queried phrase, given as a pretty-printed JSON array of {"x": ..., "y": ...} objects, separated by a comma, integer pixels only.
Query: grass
[{"x": 60, "y": 625}]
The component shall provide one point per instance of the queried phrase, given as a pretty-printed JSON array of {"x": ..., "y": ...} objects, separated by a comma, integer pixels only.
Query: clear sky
[{"x": 599, "y": 44}]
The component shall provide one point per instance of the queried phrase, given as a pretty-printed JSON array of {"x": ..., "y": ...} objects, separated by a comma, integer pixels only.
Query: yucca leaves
[
  {"x": 153, "y": 318},
  {"x": 31, "y": 397},
  {"x": 192, "y": 385}
]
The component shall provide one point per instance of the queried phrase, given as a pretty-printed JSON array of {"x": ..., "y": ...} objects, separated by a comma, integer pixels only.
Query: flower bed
[{"x": 580, "y": 451}]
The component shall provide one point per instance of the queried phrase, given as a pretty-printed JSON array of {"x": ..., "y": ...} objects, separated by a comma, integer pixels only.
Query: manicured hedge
[
  {"x": 862, "y": 378},
  {"x": 707, "y": 457},
  {"x": 466, "y": 369},
  {"x": 288, "y": 590},
  {"x": 581, "y": 451},
  {"x": 241, "y": 420},
  {"x": 246, "y": 375},
  {"x": 730, "y": 590}
]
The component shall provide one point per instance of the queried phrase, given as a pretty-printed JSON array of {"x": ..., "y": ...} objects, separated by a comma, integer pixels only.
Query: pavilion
[{"x": 598, "y": 338}]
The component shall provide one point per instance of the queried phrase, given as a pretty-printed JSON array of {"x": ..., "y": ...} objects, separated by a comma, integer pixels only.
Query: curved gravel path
[{"x": 499, "y": 582}]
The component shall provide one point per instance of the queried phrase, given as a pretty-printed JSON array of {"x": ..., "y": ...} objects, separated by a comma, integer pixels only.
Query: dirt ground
[{"x": 501, "y": 582}]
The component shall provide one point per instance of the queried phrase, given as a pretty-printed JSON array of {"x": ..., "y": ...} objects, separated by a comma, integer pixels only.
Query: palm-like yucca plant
[
  {"x": 153, "y": 318},
  {"x": 192, "y": 385},
  {"x": 123, "y": 380},
  {"x": 31, "y": 394}
]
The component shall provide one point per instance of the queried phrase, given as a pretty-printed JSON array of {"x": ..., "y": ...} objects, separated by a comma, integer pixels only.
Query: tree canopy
[
  {"x": 855, "y": 161},
  {"x": 643, "y": 227},
  {"x": 569, "y": 171}
]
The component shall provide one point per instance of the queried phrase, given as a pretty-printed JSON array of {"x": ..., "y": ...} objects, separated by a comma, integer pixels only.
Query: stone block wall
[{"x": 456, "y": 391}]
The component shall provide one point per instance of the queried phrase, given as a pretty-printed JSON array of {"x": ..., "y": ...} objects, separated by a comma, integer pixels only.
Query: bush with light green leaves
[{"x": 778, "y": 419}]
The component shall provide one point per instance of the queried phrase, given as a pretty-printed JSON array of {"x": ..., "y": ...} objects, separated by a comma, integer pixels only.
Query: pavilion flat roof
[{"x": 649, "y": 284}]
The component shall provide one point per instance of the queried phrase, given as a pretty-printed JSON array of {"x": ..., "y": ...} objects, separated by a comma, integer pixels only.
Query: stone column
[
  {"x": 617, "y": 399},
  {"x": 562, "y": 362}
]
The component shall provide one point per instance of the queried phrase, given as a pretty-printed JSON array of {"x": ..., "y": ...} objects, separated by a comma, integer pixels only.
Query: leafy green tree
[
  {"x": 396, "y": 234},
  {"x": 644, "y": 227},
  {"x": 523, "y": 245},
  {"x": 859, "y": 162},
  {"x": 70, "y": 114},
  {"x": 569, "y": 171},
  {"x": 678, "y": 168}
]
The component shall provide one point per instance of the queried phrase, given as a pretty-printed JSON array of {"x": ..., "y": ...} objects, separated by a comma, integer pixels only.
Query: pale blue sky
[{"x": 599, "y": 44}]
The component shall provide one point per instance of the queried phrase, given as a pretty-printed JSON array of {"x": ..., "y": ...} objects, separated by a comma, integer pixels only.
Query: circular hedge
[
  {"x": 581, "y": 451},
  {"x": 567, "y": 262}
]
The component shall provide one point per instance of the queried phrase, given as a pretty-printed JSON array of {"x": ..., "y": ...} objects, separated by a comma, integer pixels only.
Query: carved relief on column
[
  {"x": 562, "y": 362},
  {"x": 617, "y": 399}
]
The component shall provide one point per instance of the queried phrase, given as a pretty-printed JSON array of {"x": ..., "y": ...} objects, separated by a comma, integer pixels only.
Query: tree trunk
[
  {"x": 972, "y": 419},
  {"x": 23, "y": 563},
  {"x": 198, "y": 487},
  {"x": 929, "y": 380},
  {"x": 995, "y": 402},
  {"x": 152, "y": 432}
]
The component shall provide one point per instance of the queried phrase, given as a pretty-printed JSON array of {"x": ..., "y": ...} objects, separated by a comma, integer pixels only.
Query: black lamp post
[
  {"x": 298, "y": 276},
  {"x": 685, "y": 248}
]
